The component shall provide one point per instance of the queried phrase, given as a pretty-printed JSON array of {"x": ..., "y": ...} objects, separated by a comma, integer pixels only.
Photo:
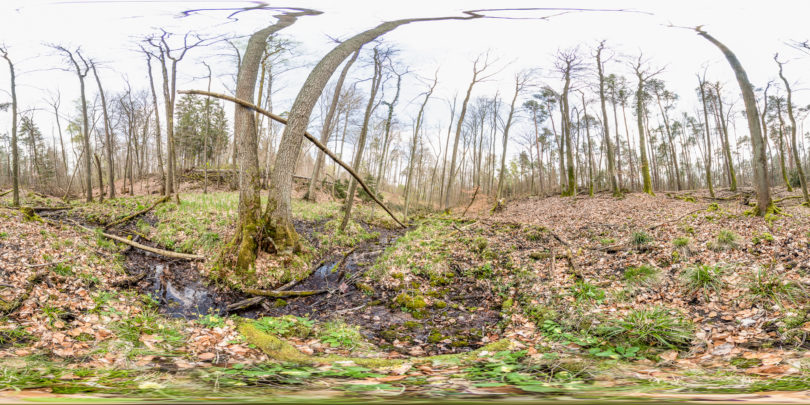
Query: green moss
[
  {"x": 540, "y": 254},
  {"x": 410, "y": 324},
  {"x": 507, "y": 304},
  {"x": 713, "y": 207},
  {"x": 280, "y": 303},
  {"x": 435, "y": 336},
  {"x": 365, "y": 288},
  {"x": 411, "y": 301}
]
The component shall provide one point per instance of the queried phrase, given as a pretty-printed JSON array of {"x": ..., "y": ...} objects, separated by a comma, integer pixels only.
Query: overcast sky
[{"x": 108, "y": 32}]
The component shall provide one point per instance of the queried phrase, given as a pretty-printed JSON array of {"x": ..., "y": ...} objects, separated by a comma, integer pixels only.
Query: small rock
[{"x": 747, "y": 322}]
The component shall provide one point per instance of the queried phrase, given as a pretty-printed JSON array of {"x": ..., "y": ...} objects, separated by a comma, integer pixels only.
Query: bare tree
[
  {"x": 643, "y": 74},
  {"x": 416, "y": 130},
  {"x": 611, "y": 157},
  {"x": 107, "y": 135},
  {"x": 521, "y": 79},
  {"x": 759, "y": 163},
  {"x": 793, "y": 144},
  {"x": 328, "y": 124},
  {"x": 479, "y": 67},
  {"x": 15, "y": 156},
  {"x": 81, "y": 72}
]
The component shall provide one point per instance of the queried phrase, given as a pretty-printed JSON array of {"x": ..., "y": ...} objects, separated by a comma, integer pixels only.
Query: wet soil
[{"x": 463, "y": 324}]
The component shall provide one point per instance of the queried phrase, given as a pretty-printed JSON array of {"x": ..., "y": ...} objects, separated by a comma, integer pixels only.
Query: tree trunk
[
  {"x": 107, "y": 136},
  {"x": 759, "y": 163},
  {"x": 15, "y": 155},
  {"x": 247, "y": 239},
  {"x": 327, "y": 126},
  {"x": 708, "y": 137},
  {"x": 611, "y": 158},
  {"x": 642, "y": 145},
  {"x": 376, "y": 82},
  {"x": 158, "y": 140},
  {"x": 793, "y": 144},
  {"x": 417, "y": 128},
  {"x": 518, "y": 86},
  {"x": 278, "y": 215}
]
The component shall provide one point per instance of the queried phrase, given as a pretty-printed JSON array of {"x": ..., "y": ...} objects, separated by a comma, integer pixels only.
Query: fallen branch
[
  {"x": 139, "y": 213},
  {"x": 128, "y": 281},
  {"x": 6, "y": 192},
  {"x": 30, "y": 266},
  {"x": 49, "y": 208},
  {"x": 161, "y": 252},
  {"x": 786, "y": 198},
  {"x": 282, "y": 294},
  {"x": 34, "y": 279},
  {"x": 472, "y": 200},
  {"x": 311, "y": 138},
  {"x": 676, "y": 219},
  {"x": 167, "y": 253},
  {"x": 246, "y": 303}
]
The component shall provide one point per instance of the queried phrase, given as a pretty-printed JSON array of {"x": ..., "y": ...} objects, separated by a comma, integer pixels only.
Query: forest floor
[{"x": 677, "y": 296}]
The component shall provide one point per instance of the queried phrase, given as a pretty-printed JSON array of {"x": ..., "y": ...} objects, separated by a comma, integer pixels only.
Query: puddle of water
[{"x": 188, "y": 301}]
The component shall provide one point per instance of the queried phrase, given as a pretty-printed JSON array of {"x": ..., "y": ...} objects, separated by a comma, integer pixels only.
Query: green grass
[
  {"x": 641, "y": 275},
  {"x": 655, "y": 326},
  {"x": 769, "y": 286},
  {"x": 584, "y": 291},
  {"x": 681, "y": 242},
  {"x": 702, "y": 278},
  {"x": 725, "y": 240},
  {"x": 640, "y": 239}
]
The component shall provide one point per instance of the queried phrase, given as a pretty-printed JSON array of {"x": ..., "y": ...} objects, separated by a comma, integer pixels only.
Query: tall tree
[
  {"x": 759, "y": 163},
  {"x": 479, "y": 67},
  {"x": 328, "y": 124},
  {"x": 793, "y": 144},
  {"x": 81, "y": 72},
  {"x": 643, "y": 74},
  {"x": 732, "y": 175},
  {"x": 246, "y": 240},
  {"x": 708, "y": 156},
  {"x": 278, "y": 215},
  {"x": 416, "y": 131},
  {"x": 521, "y": 79},
  {"x": 15, "y": 154},
  {"x": 107, "y": 134},
  {"x": 611, "y": 157},
  {"x": 376, "y": 83}
]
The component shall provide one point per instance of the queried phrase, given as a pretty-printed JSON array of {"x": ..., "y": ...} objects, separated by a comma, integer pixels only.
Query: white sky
[{"x": 108, "y": 31}]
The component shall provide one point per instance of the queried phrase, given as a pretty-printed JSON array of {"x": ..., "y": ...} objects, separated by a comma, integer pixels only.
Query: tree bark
[
  {"x": 611, "y": 157},
  {"x": 327, "y": 126},
  {"x": 107, "y": 135},
  {"x": 759, "y": 163},
  {"x": 15, "y": 154},
  {"x": 793, "y": 144}
]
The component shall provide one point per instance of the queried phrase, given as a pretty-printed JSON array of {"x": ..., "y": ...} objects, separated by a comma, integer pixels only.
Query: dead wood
[
  {"x": 243, "y": 304},
  {"x": 282, "y": 294},
  {"x": 139, "y": 213},
  {"x": 128, "y": 281},
  {"x": 472, "y": 200}
]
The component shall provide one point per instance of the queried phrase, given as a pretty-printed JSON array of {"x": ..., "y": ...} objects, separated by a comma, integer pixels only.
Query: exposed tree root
[{"x": 139, "y": 213}]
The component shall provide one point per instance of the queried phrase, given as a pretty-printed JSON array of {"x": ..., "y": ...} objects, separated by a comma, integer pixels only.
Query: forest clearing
[{"x": 264, "y": 203}]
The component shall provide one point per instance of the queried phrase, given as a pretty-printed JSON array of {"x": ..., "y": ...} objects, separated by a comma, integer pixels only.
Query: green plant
[
  {"x": 584, "y": 291},
  {"x": 211, "y": 321},
  {"x": 725, "y": 239},
  {"x": 681, "y": 242},
  {"x": 763, "y": 237},
  {"x": 655, "y": 326},
  {"x": 640, "y": 239},
  {"x": 770, "y": 286},
  {"x": 702, "y": 278},
  {"x": 287, "y": 325},
  {"x": 338, "y": 333},
  {"x": 641, "y": 275},
  {"x": 63, "y": 269},
  {"x": 713, "y": 207}
]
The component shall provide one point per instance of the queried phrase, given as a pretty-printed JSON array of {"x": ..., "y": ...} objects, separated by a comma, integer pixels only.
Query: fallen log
[
  {"x": 282, "y": 294},
  {"x": 307, "y": 135},
  {"x": 139, "y": 213},
  {"x": 6, "y": 192}
]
